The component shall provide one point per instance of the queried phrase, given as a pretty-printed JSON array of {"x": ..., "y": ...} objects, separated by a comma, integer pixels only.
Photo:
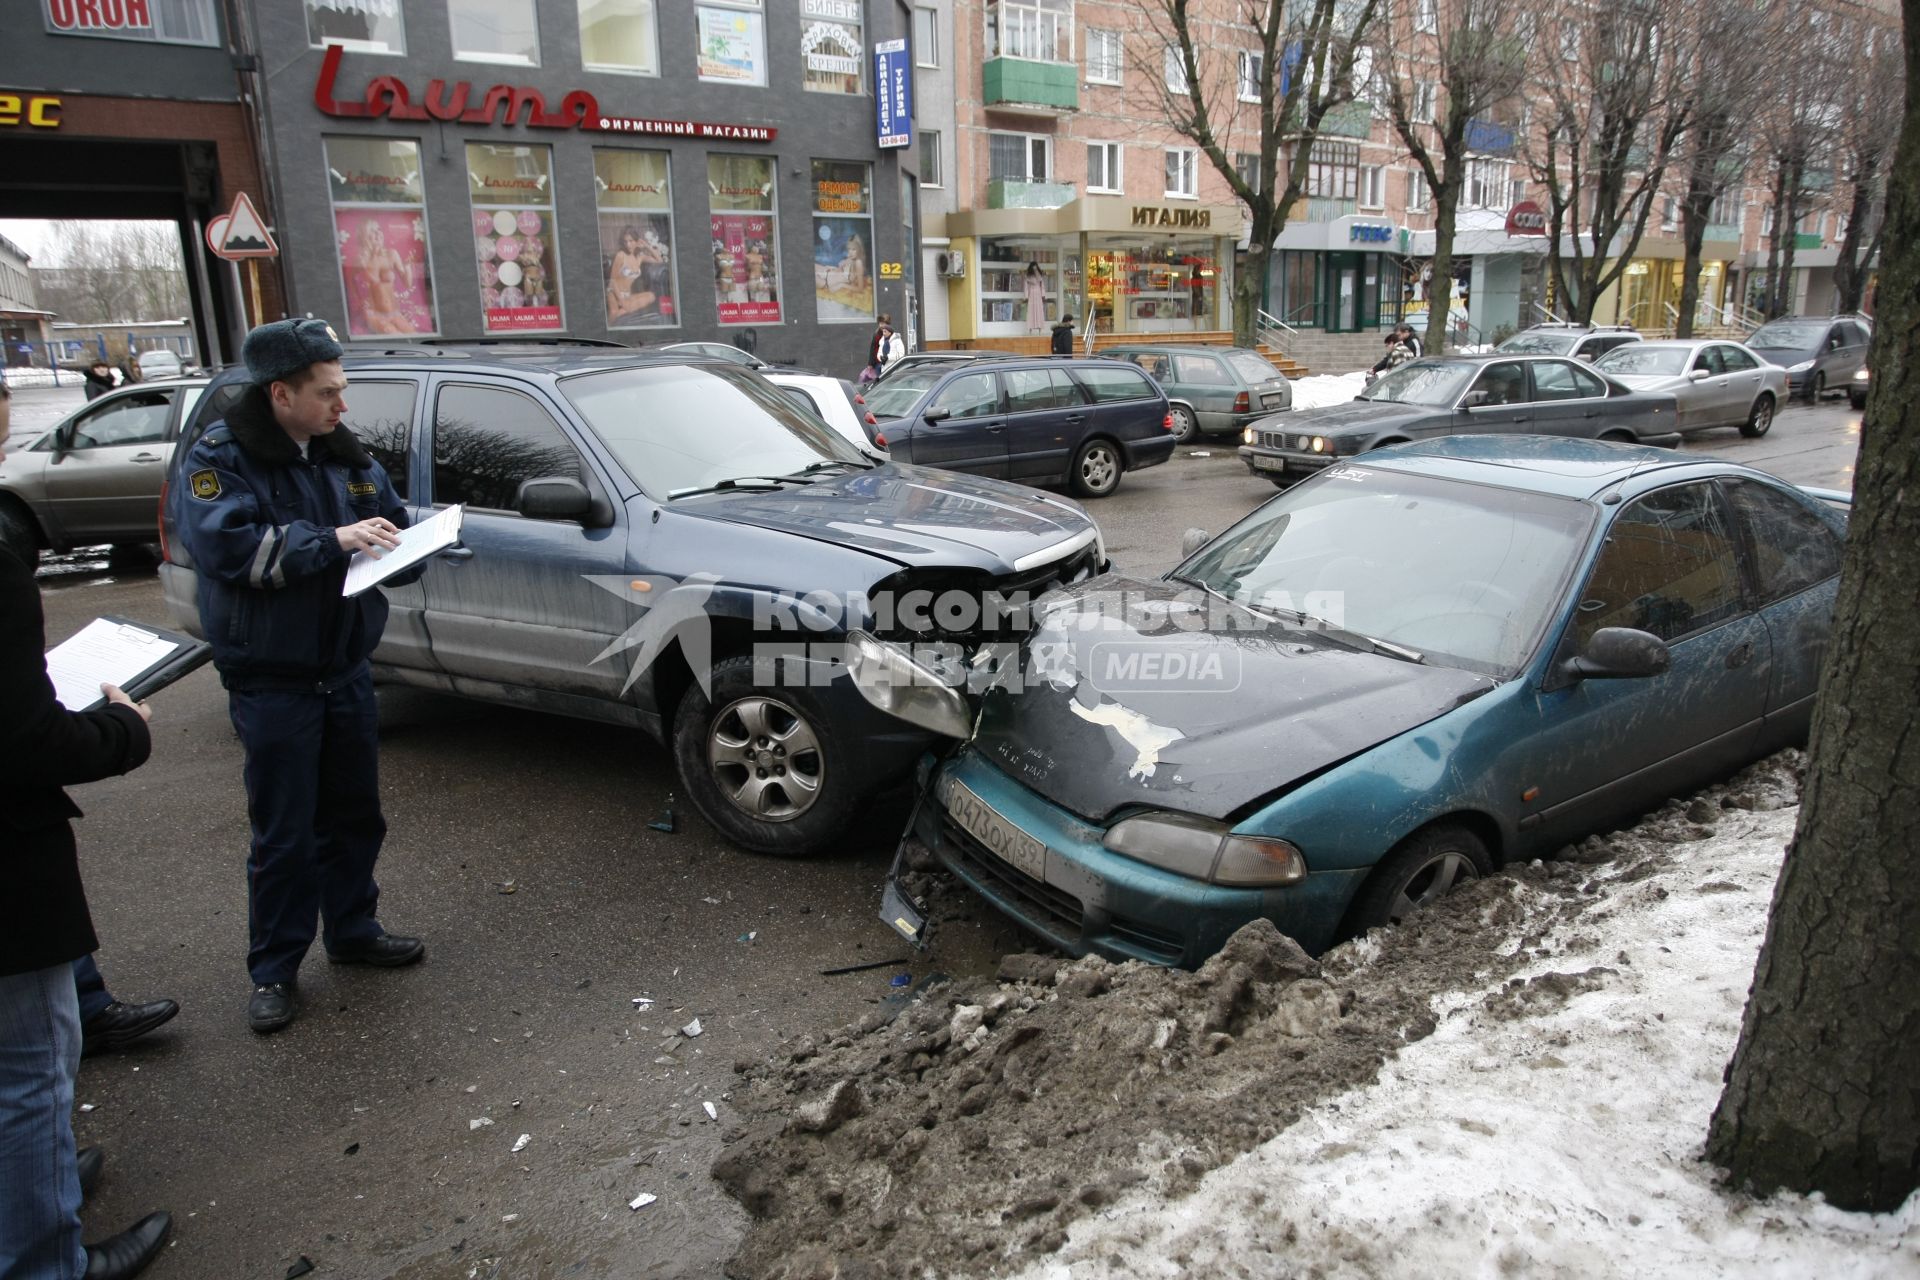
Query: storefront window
[
  {"x": 380, "y": 236},
  {"x": 619, "y": 35},
  {"x": 364, "y": 26},
  {"x": 636, "y": 238},
  {"x": 746, "y": 239},
  {"x": 1161, "y": 286},
  {"x": 494, "y": 31},
  {"x": 842, "y": 241},
  {"x": 830, "y": 48},
  {"x": 1019, "y": 284},
  {"x": 733, "y": 42},
  {"x": 511, "y": 188}
]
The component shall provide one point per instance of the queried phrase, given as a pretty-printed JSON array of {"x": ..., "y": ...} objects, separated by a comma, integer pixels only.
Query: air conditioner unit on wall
[{"x": 951, "y": 262}]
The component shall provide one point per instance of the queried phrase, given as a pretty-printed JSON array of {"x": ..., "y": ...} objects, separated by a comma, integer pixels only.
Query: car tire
[
  {"x": 1426, "y": 865},
  {"x": 1186, "y": 427},
  {"x": 1858, "y": 399},
  {"x": 717, "y": 741},
  {"x": 19, "y": 531},
  {"x": 1096, "y": 469},
  {"x": 1759, "y": 419}
]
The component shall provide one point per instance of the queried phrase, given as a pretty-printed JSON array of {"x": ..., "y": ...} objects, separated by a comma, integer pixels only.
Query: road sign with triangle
[{"x": 241, "y": 233}]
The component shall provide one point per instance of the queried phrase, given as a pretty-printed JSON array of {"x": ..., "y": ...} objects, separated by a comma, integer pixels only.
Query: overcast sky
[{"x": 34, "y": 235}]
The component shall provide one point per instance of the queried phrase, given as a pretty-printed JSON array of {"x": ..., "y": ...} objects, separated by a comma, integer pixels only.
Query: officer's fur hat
[{"x": 284, "y": 347}]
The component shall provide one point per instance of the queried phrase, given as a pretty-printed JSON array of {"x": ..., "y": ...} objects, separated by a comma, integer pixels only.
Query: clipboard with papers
[
  {"x": 417, "y": 542},
  {"x": 138, "y": 656}
]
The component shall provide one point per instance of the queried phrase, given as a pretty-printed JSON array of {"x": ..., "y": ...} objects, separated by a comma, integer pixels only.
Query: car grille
[{"x": 1055, "y": 906}]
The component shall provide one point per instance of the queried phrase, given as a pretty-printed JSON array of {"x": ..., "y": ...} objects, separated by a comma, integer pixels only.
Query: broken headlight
[
  {"x": 889, "y": 677},
  {"x": 1199, "y": 847}
]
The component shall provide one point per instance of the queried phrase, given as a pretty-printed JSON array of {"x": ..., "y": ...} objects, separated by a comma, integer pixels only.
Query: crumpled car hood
[
  {"x": 1216, "y": 719},
  {"x": 915, "y": 515}
]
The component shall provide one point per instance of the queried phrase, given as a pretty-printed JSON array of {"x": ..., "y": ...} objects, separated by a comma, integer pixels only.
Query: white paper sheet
[
  {"x": 416, "y": 544},
  {"x": 102, "y": 652}
]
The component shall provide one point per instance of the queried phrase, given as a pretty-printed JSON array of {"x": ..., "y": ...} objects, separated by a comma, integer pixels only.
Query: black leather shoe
[
  {"x": 118, "y": 1023},
  {"x": 127, "y": 1254},
  {"x": 91, "y": 1160},
  {"x": 271, "y": 1007},
  {"x": 388, "y": 951}
]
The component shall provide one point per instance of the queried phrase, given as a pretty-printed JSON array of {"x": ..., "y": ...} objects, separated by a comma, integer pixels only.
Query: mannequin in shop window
[{"x": 1035, "y": 285}]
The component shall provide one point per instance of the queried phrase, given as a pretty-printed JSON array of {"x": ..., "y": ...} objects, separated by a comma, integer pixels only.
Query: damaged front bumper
[{"x": 1049, "y": 870}]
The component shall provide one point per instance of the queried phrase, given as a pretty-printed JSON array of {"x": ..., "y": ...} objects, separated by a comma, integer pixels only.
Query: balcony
[
  {"x": 1808, "y": 240},
  {"x": 1025, "y": 87},
  {"x": 1015, "y": 193}
]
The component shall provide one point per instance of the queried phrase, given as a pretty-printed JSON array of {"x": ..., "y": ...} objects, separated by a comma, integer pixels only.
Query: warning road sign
[{"x": 242, "y": 233}]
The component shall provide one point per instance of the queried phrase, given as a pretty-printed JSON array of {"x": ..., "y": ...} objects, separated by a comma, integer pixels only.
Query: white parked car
[
  {"x": 160, "y": 364},
  {"x": 1714, "y": 383},
  {"x": 834, "y": 401}
]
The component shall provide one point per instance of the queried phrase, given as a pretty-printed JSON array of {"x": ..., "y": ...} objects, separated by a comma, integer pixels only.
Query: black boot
[
  {"x": 127, "y": 1254},
  {"x": 270, "y": 1007},
  {"x": 91, "y": 1160},
  {"x": 118, "y": 1024}
]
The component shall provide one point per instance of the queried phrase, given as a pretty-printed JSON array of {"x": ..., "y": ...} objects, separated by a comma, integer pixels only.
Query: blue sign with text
[{"x": 893, "y": 93}]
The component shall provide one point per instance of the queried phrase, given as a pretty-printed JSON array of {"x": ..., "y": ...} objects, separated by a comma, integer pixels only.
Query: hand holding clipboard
[{"x": 137, "y": 658}]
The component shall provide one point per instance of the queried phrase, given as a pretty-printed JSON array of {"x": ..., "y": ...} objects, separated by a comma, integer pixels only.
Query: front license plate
[
  {"x": 1002, "y": 839},
  {"x": 1263, "y": 463}
]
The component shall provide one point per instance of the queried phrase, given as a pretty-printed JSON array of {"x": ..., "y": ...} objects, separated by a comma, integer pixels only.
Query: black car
[
  {"x": 671, "y": 543},
  {"x": 1451, "y": 395},
  {"x": 1078, "y": 422}
]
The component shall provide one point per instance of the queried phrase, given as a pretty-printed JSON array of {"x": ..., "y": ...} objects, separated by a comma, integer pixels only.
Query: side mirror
[
  {"x": 1699, "y": 375},
  {"x": 932, "y": 416},
  {"x": 1475, "y": 399},
  {"x": 1619, "y": 653},
  {"x": 552, "y": 498},
  {"x": 1192, "y": 540}
]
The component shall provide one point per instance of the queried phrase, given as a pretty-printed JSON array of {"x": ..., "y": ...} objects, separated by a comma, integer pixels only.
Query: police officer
[{"x": 280, "y": 498}]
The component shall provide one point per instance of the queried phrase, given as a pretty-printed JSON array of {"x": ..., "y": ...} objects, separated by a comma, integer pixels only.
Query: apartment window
[
  {"x": 1766, "y": 221},
  {"x": 732, "y": 43},
  {"x": 511, "y": 189},
  {"x": 361, "y": 27},
  {"x": 1426, "y": 101},
  {"x": 1487, "y": 184},
  {"x": 1247, "y": 165},
  {"x": 1364, "y": 87},
  {"x": 494, "y": 31},
  {"x": 932, "y": 165},
  {"x": 1669, "y": 213},
  {"x": 1103, "y": 56},
  {"x": 1426, "y": 16},
  {"x": 1726, "y": 210},
  {"x": 926, "y": 37},
  {"x": 1040, "y": 30},
  {"x": 168, "y": 21},
  {"x": 1419, "y": 195},
  {"x": 380, "y": 235},
  {"x": 1333, "y": 171},
  {"x": 745, "y": 226},
  {"x": 1516, "y": 192},
  {"x": 1019, "y": 157},
  {"x": 1373, "y": 187},
  {"x": 831, "y": 54},
  {"x": 1103, "y": 166},
  {"x": 619, "y": 35},
  {"x": 1251, "y": 63},
  {"x": 1570, "y": 43},
  {"x": 1175, "y": 71},
  {"x": 1183, "y": 172}
]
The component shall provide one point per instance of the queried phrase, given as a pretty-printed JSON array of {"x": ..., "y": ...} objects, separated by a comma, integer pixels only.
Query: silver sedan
[{"x": 1715, "y": 383}]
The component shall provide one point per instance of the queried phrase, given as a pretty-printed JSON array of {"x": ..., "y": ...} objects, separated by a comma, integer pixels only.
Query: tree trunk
[
  {"x": 1789, "y": 239},
  {"x": 1851, "y": 267},
  {"x": 1822, "y": 1093},
  {"x": 1440, "y": 296},
  {"x": 1695, "y": 210},
  {"x": 1771, "y": 303}
]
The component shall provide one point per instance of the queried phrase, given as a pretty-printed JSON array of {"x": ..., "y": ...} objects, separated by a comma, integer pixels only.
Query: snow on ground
[
  {"x": 1321, "y": 389},
  {"x": 1565, "y": 1142}
]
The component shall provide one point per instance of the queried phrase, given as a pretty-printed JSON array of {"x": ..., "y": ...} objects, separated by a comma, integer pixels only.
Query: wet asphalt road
[{"x": 348, "y": 1138}]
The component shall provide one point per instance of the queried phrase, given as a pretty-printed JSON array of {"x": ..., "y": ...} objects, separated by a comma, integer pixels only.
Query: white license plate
[
  {"x": 1002, "y": 839},
  {"x": 1263, "y": 463},
  {"x": 1270, "y": 400}
]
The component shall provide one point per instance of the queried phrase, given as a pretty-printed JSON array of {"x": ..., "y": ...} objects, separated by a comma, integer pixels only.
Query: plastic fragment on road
[
  {"x": 664, "y": 822},
  {"x": 507, "y": 886},
  {"x": 900, "y": 980},
  {"x": 480, "y": 1123},
  {"x": 520, "y": 1143},
  {"x": 749, "y": 937},
  {"x": 642, "y": 1002},
  {"x": 509, "y": 1217},
  {"x": 642, "y": 1200},
  {"x": 692, "y": 1029},
  {"x": 86, "y": 1106},
  {"x": 712, "y": 1112},
  {"x": 301, "y": 1268}
]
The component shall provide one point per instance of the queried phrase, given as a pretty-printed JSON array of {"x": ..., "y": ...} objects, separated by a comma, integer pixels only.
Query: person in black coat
[
  {"x": 1063, "y": 336},
  {"x": 44, "y": 928},
  {"x": 99, "y": 379}
]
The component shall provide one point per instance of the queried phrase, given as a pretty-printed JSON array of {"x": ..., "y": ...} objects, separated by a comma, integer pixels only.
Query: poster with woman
[
  {"x": 842, "y": 269},
  {"x": 746, "y": 281},
  {"x": 637, "y": 250},
  {"x": 383, "y": 265}
]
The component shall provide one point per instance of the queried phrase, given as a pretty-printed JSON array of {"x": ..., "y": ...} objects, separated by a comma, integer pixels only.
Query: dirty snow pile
[
  {"x": 1317, "y": 391},
  {"x": 1516, "y": 1081}
]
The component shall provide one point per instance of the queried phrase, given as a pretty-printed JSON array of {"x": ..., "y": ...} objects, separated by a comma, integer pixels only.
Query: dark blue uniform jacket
[{"x": 259, "y": 522}]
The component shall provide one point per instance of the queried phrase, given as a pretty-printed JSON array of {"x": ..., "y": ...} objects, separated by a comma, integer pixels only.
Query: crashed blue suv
[{"x": 669, "y": 542}]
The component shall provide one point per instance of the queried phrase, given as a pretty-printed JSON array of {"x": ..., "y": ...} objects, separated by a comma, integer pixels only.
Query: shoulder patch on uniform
[
  {"x": 361, "y": 488},
  {"x": 206, "y": 484}
]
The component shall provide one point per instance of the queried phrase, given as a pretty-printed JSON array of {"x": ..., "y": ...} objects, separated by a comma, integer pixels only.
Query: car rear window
[
  {"x": 1253, "y": 367},
  {"x": 1202, "y": 371},
  {"x": 1114, "y": 384}
]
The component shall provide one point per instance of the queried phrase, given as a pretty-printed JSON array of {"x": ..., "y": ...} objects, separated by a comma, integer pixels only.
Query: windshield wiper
[
  {"x": 823, "y": 464},
  {"x": 1352, "y": 639},
  {"x": 758, "y": 484}
]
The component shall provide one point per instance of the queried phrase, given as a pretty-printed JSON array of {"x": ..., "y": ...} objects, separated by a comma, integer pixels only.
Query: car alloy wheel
[
  {"x": 1096, "y": 469},
  {"x": 1420, "y": 870},
  {"x": 765, "y": 758},
  {"x": 1185, "y": 428},
  {"x": 1760, "y": 419}
]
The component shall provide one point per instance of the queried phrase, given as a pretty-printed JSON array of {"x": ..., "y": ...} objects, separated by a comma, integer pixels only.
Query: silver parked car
[
  {"x": 1715, "y": 383},
  {"x": 96, "y": 477}
]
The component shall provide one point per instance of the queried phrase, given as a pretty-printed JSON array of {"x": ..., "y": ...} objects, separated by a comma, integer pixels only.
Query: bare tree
[
  {"x": 1870, "y": 111},
  {"x": 1799, "y": 133},
  {"x": 1442, "y": 69},
  {"x": 100, "y": 272},
  {"x": 1609, "y": 78},
  {"x": 1821, "y": 1092},
  {"x": 1299, "y": 59}
]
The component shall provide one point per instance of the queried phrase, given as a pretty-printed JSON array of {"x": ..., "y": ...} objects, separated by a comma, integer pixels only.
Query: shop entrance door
[{"x": 1344, "y": 299}]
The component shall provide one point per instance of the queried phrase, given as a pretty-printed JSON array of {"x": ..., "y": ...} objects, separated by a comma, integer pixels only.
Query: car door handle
[
  {"x": 1741, "y": 655},
  {"x": 146, "y": 457},
  {"x": 996, "y": 427},
  {"x": 458, "y": 553}
]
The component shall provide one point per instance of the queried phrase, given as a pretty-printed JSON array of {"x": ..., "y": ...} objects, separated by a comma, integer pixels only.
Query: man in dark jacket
[
  {"x": 46, "y": 927},
  {"x": 280, "y": 498},
  {"x": 1063, "y": 336}
]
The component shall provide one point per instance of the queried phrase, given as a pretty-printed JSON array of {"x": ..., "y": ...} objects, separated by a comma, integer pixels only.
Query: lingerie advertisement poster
[
  {"x": 746, "y": 276},
  {"x": 383, "y": 264}
]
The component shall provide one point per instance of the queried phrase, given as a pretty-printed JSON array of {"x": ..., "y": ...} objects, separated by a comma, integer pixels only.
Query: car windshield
[
  {"x": 1645, "y": 360},
  {"x": 896, "y": 397},
  {"x": 1540, "y": 344},
  {"x": 1467, "y": 575},
  {"x": 1253, "y": 367},
  {"x": 1429, "y": 382},
  {"x": 1787, "y": 336},
  {"x": 681, "y": 428}
]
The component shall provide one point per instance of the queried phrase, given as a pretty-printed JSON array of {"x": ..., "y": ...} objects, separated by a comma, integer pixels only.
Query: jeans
[
  {"x": 91, "y": 987},
  {"x": 39, "y": 1183}
]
